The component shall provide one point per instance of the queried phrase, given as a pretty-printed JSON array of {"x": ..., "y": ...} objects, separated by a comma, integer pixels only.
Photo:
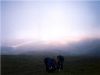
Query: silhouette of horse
[
  {"x": 53, "y": 65},
  {"x": 50, "y": 64},
  {"x": 60, "y": 61}
]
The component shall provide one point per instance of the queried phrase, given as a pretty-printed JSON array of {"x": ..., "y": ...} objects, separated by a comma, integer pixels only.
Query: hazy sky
[{"x": 50, "y": 20}]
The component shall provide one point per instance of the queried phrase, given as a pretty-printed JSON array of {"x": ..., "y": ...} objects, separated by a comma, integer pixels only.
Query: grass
[{"x": 33, "y": 65}]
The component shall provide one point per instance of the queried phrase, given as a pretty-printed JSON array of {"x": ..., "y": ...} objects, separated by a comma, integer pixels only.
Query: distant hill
[
  {"x": 88, "y": 47},
  {"x": 7, "y": 50}
]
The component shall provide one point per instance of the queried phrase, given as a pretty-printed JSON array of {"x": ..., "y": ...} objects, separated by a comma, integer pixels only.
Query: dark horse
[
  {"x": 60, "y": 61},
  {"x": 50, "y": 64}
]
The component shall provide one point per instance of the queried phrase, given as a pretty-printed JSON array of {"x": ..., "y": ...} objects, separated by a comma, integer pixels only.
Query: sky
[{"x": 54, "y": 22}]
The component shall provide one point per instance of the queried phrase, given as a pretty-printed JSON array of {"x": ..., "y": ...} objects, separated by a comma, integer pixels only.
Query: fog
[
  {"x": 50, "y": 27},
  {"x": 86, "y": 47}
]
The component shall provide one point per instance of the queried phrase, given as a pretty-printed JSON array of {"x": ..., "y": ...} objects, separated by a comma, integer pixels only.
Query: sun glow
[
  {"x": 49, "y": 23},
  {"x": 51, "y": 28},
  {"x": 54, "y": 28}
]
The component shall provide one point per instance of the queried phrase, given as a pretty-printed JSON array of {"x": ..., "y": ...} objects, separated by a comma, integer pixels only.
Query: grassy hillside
[{"x": 33, "y": 65}]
